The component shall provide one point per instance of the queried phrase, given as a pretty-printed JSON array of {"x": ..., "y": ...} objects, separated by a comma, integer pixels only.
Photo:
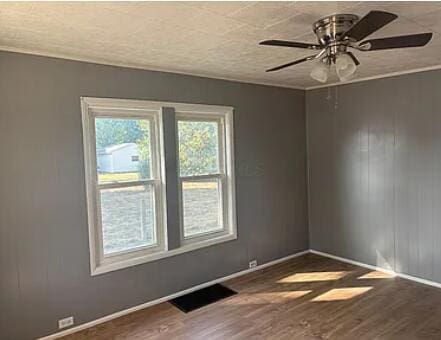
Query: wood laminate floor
[{"x": 309, "y": 297}]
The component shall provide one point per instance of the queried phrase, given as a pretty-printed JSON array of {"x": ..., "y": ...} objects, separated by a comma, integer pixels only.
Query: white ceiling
[{"x": 214, "y": 39}]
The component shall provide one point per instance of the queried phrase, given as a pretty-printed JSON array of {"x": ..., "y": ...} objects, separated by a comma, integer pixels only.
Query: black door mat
[{"x": 202, "y": 297}]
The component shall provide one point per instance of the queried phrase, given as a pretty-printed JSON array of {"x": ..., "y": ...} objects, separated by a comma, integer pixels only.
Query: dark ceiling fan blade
[
  {"x": 370, "y": 23},
  {"x": 412, "y": 40},
  {"x": 353, "y": 58},
  {"x": 298, "y": 61},
  {"x": 285, "y": 43}
]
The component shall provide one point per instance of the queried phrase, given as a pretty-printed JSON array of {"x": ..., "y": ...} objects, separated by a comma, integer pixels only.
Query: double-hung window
[
  {"x": 125, "y": 162},
  {"x": 203, "y": 176}
]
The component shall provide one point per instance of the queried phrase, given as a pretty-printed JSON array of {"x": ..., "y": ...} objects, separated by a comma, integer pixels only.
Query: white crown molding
[
  {"x": 148, "y": 68},
  {"x": 208, "y": 75},
  {"x": 167, "y": 298},
  {"x": 380, "y": 76}
]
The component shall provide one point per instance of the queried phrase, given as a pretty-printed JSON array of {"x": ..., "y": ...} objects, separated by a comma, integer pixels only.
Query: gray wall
[
  {"x": 44, "y": 254},
  {"x": 374, "y": 153}
]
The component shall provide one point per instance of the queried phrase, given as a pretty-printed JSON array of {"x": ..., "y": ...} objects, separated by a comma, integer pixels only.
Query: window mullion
[{"x": 172, "y": 178}]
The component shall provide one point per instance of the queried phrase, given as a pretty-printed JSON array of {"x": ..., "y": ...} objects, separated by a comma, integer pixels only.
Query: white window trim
[
  {"x": 135, "y": 107},
  {"x": 98, "y": 262}
]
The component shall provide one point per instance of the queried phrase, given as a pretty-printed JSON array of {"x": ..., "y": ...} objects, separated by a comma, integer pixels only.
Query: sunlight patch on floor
[
  {"x": 377, "y": 275},
  {"x": 266, "y": 298},
  {"x": 313, "y": 277},
  {"x": 338, "y": 294}
]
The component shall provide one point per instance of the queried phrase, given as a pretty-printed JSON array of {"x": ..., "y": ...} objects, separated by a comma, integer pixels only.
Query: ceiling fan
[{"x": 338, "y": 33}]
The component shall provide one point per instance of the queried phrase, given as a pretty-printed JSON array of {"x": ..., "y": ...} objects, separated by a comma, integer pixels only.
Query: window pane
[
  {"x": 198, "y": 147},
  {"x": 123, "y": 149},
  {"x": 201, "y": 200},
  {"x": 127, "y": 218}
]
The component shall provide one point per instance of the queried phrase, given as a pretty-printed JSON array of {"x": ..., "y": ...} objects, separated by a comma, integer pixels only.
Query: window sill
[{"x": 109, "y": 267}]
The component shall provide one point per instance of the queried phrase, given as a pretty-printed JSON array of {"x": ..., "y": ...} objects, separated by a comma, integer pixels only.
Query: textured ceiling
[{"x": 214, "y": 39}]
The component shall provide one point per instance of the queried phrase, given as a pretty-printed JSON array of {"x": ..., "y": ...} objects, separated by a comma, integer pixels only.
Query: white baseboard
[
  {"x": 167, "y": 298},
  {"x": 391, "y": 272}
]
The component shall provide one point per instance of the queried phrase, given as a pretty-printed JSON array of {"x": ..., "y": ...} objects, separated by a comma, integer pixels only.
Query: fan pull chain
[{"x": 329, "y": 96}]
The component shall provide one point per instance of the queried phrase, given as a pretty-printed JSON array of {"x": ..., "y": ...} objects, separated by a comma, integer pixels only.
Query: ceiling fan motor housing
[{"x": 330, "y": 28}]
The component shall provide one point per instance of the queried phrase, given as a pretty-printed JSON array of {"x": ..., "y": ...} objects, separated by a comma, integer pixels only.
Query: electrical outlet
[
  {"x": 253, "y": 264},
  {"x": 66, "y": 322}
]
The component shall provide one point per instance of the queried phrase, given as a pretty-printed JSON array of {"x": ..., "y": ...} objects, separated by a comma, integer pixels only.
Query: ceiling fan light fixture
[
  {"x": 338, "y": 33},
  {"x": 345, "y": 66},
  {"x": 320, "y": 71}
]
